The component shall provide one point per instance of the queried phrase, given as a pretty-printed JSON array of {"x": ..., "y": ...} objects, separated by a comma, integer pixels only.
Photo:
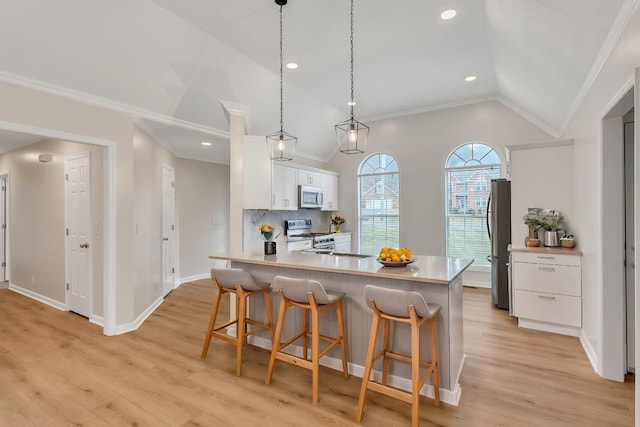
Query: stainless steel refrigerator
[{"x": 499, "y": 229}]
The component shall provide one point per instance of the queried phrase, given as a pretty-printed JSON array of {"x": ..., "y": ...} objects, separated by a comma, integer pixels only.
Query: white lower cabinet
[{"x": 547, "y": 289}]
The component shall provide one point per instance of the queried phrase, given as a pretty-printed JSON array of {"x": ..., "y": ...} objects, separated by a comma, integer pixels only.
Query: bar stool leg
[
  {"x": 315, "y": 352},
  {"x": 212, "y": 323},
  {"x": 415, "y": 369},
  {"x": 275, "y": 347},
  {"x": 434, "y": 360},
  {"x": 385, "y": 349},
  {"x": 305, "y": 335},
  {"x": 268, "y": 309},
  {"x": 241, "y": 332},
  {"x": 375, "y": 324},
  {"x": 343, "y": 338}
]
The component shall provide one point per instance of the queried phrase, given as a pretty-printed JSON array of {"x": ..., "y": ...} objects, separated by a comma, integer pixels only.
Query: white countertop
[{"x": 432, "y": 269}]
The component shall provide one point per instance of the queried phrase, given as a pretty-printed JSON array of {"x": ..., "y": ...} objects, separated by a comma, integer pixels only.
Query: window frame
[
  {"x": 359, "y": 176},
  {"x": 472, "y": 165}
]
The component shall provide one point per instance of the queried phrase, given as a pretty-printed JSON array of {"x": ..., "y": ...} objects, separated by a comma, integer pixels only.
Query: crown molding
[
  {"x": 110, "y": 104},
  {"x": 625, "y": 15}
]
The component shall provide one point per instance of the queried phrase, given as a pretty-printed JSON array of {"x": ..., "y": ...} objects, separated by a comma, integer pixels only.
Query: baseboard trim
[
  {"x": 192, "y": 278},
  {"x": 97, "y": 320},
  {"x": 548, "y": 327},
  {"x": 590, "y": 352},
  {"x": 452, "y": 397},
  {"x": 132, "y": 326},
  {"x": 38, "y": 297}
]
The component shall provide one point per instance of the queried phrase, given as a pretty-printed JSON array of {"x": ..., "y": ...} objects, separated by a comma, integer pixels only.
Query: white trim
[
  {"x": 97, "y": 320},
  {"x": 590, "y": 352},
  {"x": 132, "y": 326},
  {"x": 623, "y": 18},
  {"x": 541, "y": 144},
  {"x": 109, "y": 210},
  {"x": 38, "y": 297},
  {"x": 192, "y": 278},
  {"x": 451, "y": 397},
  {"x": 530, "y": 117},
  {"x": 549, "y": 327}
]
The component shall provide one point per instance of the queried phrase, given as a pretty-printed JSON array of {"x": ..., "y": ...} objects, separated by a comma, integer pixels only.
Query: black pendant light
[
  {"x": 281, "y": 145},
  {"x": 352, "y": 135}
]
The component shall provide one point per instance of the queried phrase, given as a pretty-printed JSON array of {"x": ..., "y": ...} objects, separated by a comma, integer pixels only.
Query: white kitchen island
[{"x": 438, "y": 279}]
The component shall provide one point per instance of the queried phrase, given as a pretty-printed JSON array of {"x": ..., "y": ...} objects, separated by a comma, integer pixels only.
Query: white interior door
[
  {"x": 78, "y": 233},
  {"x": 168, "y": 229},
  {"x": 3, "y": 228}
]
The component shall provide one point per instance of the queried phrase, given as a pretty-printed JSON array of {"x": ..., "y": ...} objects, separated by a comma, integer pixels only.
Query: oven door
[{"x": 299, "y": 245}]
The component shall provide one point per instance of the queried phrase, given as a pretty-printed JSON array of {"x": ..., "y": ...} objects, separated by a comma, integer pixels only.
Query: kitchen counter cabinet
[
  {"x": 284, "y": 191},
  {"x": 547, "y": 289},
  {"x": 438, "y": 279}
]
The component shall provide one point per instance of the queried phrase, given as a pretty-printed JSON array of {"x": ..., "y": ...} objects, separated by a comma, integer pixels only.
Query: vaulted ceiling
[{"x": 174, "y": 64}]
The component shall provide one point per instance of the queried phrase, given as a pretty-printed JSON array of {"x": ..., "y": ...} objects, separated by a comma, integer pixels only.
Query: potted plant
[
  {"x": 551, "y": 220},
  {"x": 337, "y": 222},
  {"x": 267, "y": 232},
  {"x": 532, "y": 219}
]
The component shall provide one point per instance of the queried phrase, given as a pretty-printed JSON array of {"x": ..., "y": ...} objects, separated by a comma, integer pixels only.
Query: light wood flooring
[{"x": 57, "y": 369}]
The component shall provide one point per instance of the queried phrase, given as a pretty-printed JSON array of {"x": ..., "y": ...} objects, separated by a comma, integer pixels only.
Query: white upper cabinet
[
  {"x": 284, "y": 188},
  {"x": 306, "y": 177},
  {"x": 330, "y": 192},
  {"x": 257, "y": 174}
]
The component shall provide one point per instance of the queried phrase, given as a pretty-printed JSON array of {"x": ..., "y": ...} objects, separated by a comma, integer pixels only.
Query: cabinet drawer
[
  {"x": 558, "y": 309},
  {"x": 544, "y": 258},
  {"x": 553, "y": 279}
]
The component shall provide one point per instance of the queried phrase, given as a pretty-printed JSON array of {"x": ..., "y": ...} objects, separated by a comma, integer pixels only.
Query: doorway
[
  {"x": 168, "y": 229},
  {"x": 4, "y": 184},
  {"x": 629, "y": 192}
]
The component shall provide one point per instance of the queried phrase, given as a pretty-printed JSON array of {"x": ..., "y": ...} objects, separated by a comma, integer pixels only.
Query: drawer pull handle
[
  {"x": 546, "y": 297},
  {"x": 551, "y": 269},
  {"x": 546, "y": 257}
]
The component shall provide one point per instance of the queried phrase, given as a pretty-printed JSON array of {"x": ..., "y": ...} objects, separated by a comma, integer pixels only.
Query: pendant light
[
  {"x": 352, "y": 135},
  {"x": 281, "y": 145}
]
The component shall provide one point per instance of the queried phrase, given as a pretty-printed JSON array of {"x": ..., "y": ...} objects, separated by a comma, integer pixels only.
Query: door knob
[
  {"x": 165, "y": 239},
  {"x": 84, "y": 245}
]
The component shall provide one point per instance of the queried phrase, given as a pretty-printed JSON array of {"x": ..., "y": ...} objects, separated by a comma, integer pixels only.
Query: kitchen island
[{"x": 438, "y": 279}]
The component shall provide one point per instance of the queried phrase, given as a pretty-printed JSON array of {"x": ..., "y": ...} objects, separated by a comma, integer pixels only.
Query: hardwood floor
[{"x": 58, "y": 369}]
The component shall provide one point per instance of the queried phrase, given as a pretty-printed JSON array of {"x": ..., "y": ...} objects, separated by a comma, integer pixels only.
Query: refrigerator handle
[{"x": 487, "y": 217}]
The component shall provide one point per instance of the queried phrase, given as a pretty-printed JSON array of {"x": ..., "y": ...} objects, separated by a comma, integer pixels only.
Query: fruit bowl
[{"x": 396, "y": 263}]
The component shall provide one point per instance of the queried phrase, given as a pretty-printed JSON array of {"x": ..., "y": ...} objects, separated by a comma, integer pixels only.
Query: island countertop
[{"x": 430, "y": 269}]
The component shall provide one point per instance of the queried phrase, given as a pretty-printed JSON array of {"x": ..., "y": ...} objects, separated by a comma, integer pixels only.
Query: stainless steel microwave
[{"x": 310, "y": 197}]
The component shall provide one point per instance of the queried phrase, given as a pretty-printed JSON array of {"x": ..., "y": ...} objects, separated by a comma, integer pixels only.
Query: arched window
[
  {"x": 468, "y": 174},
  {"x": 378, "y": 203}
]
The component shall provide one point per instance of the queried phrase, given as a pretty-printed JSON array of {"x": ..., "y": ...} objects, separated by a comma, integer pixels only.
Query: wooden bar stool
[
  {"x": 311, "y": 296},
  {"x": 410, "y": 308},
  {"x": 239, "y": 282}
]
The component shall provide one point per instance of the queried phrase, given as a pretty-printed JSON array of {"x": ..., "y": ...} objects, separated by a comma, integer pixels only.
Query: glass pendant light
[
  {"x": 352, "y": 135},
  {"x": 281, "y": 145}
]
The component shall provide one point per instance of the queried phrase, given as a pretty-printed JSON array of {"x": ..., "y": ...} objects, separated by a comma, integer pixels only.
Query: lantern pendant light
[
  {"x": 352, "y": 135},
  {"x": 281, "y": 145}
]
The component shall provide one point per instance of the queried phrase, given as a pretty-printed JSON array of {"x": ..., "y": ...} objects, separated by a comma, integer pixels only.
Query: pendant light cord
[
  {"x": 351, "y": 40},
  {"x": 281, "y": 61}
]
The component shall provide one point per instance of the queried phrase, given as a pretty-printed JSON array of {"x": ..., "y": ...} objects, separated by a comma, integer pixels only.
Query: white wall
[
  {"x": 585, "y": 129},
  {"x": 202, "y": 200},
  {"x": 421, "y": 144},
  {"x": 147, "y": 177},
  {"x": 36, "y": 219}
]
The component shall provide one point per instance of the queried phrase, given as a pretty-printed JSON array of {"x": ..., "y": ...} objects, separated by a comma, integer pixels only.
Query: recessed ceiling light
[
  {"x": 470, "y": 78},
  {"x": 292, "y": 65},
  {"x": 351, "y": 103},
  {"x": 448, "y": 14},
  {"x": 205, "y": 143}
]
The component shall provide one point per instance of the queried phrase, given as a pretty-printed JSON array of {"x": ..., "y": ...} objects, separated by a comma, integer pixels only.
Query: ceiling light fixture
[
  {"x": 470, "y": 78},
  {"x": 281, "y": 145},
  {"x": 448, "y": 14},
  {"x": 352, "y": 135},
  {"x": 292, "y": 65},
  {"x": 205, "y": 143}
]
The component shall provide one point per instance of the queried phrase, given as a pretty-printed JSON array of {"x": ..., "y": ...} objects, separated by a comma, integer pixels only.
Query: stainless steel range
[{"x": 300, "y": 237}]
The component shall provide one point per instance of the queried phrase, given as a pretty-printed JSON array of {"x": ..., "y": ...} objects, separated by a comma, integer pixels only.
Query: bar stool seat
[
  {"x": 239, "y": 282},
  {"x": 410, "y": 308},
  {"x": 311, "y": 296}
]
